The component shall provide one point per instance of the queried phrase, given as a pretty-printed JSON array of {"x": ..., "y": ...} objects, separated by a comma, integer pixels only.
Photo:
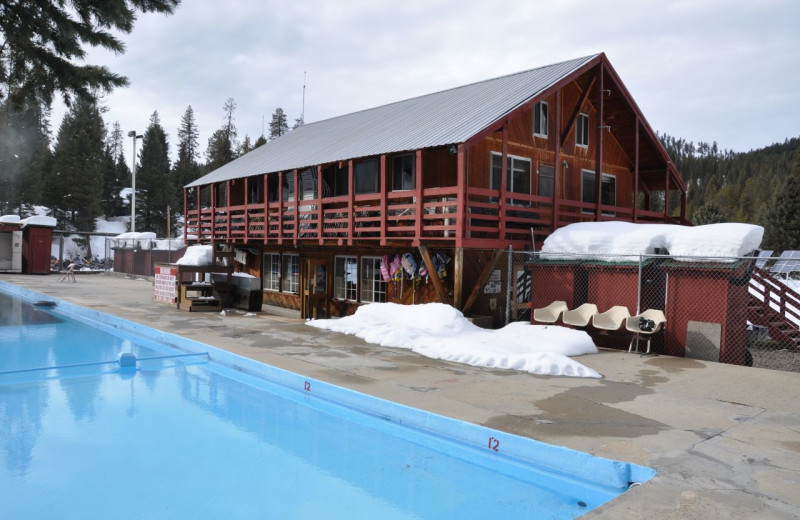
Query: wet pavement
[{"x": 725, "y": 440}]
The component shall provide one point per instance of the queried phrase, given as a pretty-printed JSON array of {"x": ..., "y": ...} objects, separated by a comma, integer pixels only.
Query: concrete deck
[{"x": 725, "y": 440}]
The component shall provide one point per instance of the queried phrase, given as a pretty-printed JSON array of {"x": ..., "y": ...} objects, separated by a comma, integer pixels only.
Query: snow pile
[
  {"x": 135, "y": 239},
  {"x": 618, "y": 241},
  {"x": 39, "y": 220},
  {"x": 9, "y": 219},
  {"x": 197, "y": 255},
  {"x": 440, "y": 331}
]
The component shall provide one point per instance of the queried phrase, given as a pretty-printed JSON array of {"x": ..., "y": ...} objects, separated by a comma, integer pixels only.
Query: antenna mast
[{"x": 303, "y": 111}]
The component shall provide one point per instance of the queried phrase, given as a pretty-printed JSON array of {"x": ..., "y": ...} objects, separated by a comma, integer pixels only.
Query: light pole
[{"x": 133, "y": 135}]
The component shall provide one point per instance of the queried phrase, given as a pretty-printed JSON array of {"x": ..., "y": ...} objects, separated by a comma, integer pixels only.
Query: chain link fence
[{"x": 735, "y": 311}]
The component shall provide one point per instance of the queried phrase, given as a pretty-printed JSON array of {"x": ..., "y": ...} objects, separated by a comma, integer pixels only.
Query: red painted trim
[
  {"x": 186, "y": 213},
  {"x": 296, "y": 230},
  {"x": 503, "y": 182},
  {"x": 320, "y": 196},
  {"x": 384, "y": 197},
  {"x": 557, "y": 172},
  {"x": 598, "y": 158},
  {"x": 461, "y": 196},
  {"x": 419, "y": 210},
  {"x": 280, "y": 207},
  {"x": 636, "y": 173},
  {"x": 266, "y": 209},
  {"x": 351, "y": 193}
]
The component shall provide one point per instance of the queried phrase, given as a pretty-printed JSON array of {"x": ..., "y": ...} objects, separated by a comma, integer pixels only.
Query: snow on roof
[
  {"x": 39, "y": 220},
  {"x": 9, "y": 219},
  {"x": 620, "y": 240},
  {"x": 440, "y": 331},
  {"x": 197, "y": 255}
]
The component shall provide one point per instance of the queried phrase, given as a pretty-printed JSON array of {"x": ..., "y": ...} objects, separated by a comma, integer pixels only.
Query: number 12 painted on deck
[{"x": 494, "y": 444}]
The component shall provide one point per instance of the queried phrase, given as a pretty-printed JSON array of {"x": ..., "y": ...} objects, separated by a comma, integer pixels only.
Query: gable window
[
  {"x": 366, "y": 176},
  {"x": 291, "y": 273},
  {"x": 373, "y": 288},
  {"x": 582, "y": 130},
  {"x": 518, "y": 173},
  {"x": 345, "y": 272},
  {"x": 546, "y": 174},
  {"x": 608, "y": 190},
  {"x": 403, "y": 172},
  {"x": 540, "y": 119},
  {"x": 272, "y": 272}
]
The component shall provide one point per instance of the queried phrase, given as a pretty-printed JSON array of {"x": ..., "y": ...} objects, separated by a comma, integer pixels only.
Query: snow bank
[
  {"x": 197, "y": 255},
  {"x": 440, "y": 331},
  {"x": 618, "y": 241},
  {"x": 9, "y": 219}
]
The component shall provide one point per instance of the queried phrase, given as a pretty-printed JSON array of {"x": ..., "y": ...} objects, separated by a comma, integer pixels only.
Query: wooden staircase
[{"x": 774, "y": 305}]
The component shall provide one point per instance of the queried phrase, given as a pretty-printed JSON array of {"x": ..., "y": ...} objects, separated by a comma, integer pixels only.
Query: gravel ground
[{"x": 776, "y": 357}]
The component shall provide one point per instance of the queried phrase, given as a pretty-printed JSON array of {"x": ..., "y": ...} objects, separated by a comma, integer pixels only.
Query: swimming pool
[{"x": 197, "y": 432}]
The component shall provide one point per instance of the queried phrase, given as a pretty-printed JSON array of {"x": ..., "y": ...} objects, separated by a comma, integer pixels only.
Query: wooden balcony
[{"x": 484, "y": 220}]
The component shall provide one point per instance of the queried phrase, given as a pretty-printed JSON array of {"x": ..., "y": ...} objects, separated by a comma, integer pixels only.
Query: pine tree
[
  {"x": 154, "y": 186},
  {"x": 245, "y": 147},
  {"x": 782, "y": 222},
  {"x": 186, "y": 167},
  {"x": 222, "y": 143},
  {"x": 261, "y": 140},
  {"x": 43, "y": 46},
  {"x": 279, "y": 125},
  {"x": 711, "y": 213},
  {"x": 24, "y": 156},
  {"x": 115, "y": 173}
]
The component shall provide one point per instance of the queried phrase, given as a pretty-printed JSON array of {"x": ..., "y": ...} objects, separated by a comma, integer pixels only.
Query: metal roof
[{"x": 442, "y": 118}]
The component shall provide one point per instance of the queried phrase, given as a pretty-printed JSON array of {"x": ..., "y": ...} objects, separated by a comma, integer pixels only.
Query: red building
[{"x": 462, "y": 172}]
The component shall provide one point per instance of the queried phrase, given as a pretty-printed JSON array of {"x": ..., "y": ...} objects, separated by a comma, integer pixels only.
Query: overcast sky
[{"x": 705, "y": 70}]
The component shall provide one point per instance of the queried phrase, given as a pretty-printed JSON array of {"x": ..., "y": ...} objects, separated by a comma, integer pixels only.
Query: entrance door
[{"x": 315, "y": 290}]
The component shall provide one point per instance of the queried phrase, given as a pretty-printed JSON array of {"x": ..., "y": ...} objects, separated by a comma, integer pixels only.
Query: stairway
[{"x": 773, "y": 305}]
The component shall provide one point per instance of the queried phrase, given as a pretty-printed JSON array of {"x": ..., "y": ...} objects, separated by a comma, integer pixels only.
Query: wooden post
[
  {"x": 482, "y": 279},
  {"x": 384, "y": 199},
  {"x": 503, "y": 185},
  {"x": 557, "y": 173},
  {"x": 441, "y": 291},
  {"x": 598, "y": 164},
  {"x": 351, "y": 201},
  {"x": 296, "y": 183},
  {"x": 280, "y": 207},
  {"x": 635, "y": 214},
  {"x": 666, "y": 195},
  {"x": 212, "y": 193},
  {"x": 320, "y": 196},
  {"x": 246, "y": 210},
  {"x": 186, "y": 212},
  {"x": 266, "y": 209},
  {"x": 228, "y": 211},
  {"x": 461, "y": 202},
  {"x": 458, "y": 277},
  {"x": 420, "y": 208}
]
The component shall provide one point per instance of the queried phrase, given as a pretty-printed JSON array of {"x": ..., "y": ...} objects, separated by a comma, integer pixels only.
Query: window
[
  {"x": 373, "y": 288},
  {"x": 254, "y": 186},
  {"x": 366, "y": 176},
  {"x": 582, "y": 130},
  {"x": 340, "y": 180},
  {"x": 540, "y": 119},
  {"x": 518, "y": 178},
  {"x": 271, "y": 273},
  {"x": 403, "y": 172},
  {"x": 272, "y": 187},
  {"x": 291, "y": 273},
  {"x": 345, "y": 277},
  {"x": 546, "y": 176},
  {"x": 608, "y": 190}
]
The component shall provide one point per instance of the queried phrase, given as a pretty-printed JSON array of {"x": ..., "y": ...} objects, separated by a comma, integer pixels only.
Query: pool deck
[{"x": 725, "y": 440}]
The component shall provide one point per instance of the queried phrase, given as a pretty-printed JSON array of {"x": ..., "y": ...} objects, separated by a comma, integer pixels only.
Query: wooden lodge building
[{"x": 463, "y": 172}]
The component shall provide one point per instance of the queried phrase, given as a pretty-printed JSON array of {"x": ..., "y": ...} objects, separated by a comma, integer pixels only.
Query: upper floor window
[
  {"x": 518, "y": 173},
  {"x": 366, "y": 176},
  {"x": 345, "y": 277},
  {"x": 546, "y": 175},
  {"x": 582, "y": 130},
  {"x": 403, "y": 172},
  {"x": 540, "y": 119}
]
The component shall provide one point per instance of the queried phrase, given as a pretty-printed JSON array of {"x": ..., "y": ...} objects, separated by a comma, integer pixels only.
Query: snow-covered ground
[{"x": 440, "y": 331}]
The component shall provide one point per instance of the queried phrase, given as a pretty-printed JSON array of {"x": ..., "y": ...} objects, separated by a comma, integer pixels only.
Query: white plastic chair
[
  {"x": 634, "y": 325},
  {"x": 551, "y": 313},
  {"x": 613, "y": 319},
  {"x": 579, "y": 317}
]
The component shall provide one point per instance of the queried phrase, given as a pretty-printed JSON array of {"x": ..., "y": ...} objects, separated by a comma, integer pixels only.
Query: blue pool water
[{"x": 212, "y": 435}]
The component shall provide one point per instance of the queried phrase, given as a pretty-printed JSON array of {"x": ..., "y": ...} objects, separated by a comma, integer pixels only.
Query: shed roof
[{"x": 442, "y": 118}]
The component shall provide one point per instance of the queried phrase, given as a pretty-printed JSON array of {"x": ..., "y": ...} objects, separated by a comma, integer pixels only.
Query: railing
[{"x": 489, "y": 219}]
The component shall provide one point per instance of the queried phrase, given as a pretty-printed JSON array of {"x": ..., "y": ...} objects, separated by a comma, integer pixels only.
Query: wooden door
[{"x": 315, "y": 289}]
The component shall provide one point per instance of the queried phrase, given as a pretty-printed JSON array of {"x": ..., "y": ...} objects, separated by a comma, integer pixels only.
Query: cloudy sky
[{"x": 705, "y": 70}]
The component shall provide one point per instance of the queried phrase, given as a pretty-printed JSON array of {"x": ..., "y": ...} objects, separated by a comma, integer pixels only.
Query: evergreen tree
[
  {"x": 186, "y": 167},
  {"x": 24, "y": 156},
  {"x": 245, "y": 147},
  {"x": 708, "y": 214},
  {"x": 73, "y": 187},
  {"x": 115, "y": 173},
  {"x": 43, "y": 44},
  {"x": 222, "y": 143},
  {"x": 261, "y": 140},
  {"x": 154, "y": 186},
  {"x": 782, "y": 222},
  {"x": 298, "y": 123},
  {"x": 279, "y": 125}
]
